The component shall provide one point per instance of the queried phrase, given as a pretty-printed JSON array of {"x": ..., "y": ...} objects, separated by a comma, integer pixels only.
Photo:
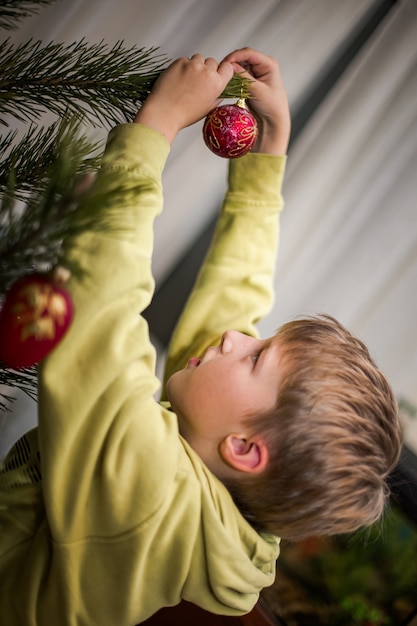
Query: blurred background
[{"x": 349, "y": 229}]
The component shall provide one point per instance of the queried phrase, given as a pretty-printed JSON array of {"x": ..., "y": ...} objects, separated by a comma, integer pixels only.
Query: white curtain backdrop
[{"x": 349, "y": 231}]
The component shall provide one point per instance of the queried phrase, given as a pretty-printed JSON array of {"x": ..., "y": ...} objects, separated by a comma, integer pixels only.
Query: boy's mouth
[{"x": 194, "y": 362}]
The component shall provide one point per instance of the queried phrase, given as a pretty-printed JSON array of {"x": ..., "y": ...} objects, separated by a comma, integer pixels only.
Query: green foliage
[
  {"x": 25, "y": 380},
  {"x": 368, "y": 579},
  {"x": 104, "y": 85},
  {"x": 368, "y": 574},
  {"x": 30, "y": 162},
  {"x": 39, "y": 203},
  {"x": 406, "y": 407},
  {"x": 95, "y": 82},
  {"x": 31, "y": 234},
  {"x": 13, "y": 11}
]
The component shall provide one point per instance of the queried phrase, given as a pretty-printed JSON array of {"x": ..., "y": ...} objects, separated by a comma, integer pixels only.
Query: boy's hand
[
  {"x": 184, "y": 93},
  {"x": 268, "y": 100}
]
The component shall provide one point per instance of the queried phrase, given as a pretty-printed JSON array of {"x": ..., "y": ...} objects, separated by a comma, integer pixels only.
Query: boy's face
[{"x": 214, "y": 395}]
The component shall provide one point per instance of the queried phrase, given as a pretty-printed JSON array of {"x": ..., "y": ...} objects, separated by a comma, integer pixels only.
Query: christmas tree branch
[
  {"x": 105, "y": 85},
  {"x": 31, "y": 158},
  {"x": 31, "y": 233},
  {"x": 24, "y": 379},
  {"x": 13, "y": 11},
  {"x": 59, "y": 207},
  {"x": 96, "y": 81}
]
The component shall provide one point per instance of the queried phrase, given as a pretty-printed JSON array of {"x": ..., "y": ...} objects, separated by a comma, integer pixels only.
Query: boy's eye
[{"x": 255, "y": 357}]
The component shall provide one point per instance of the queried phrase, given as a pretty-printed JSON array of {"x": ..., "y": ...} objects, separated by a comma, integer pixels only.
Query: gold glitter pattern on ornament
[
  {"x": 38, "y": 310},
  {"x": 230, "y": 130}
]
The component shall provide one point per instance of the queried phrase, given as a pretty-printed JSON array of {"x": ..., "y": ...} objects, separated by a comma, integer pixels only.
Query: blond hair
[{"x": 333, "y": 438}]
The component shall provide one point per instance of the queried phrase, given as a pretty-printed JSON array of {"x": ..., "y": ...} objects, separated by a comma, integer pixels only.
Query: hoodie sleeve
[
  {"x": 97, "y": 386},
  {"x": 234, "y": 287}
]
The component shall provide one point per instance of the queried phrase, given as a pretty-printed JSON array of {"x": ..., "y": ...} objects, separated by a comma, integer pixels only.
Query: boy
[{"x": 141, "y": 505}]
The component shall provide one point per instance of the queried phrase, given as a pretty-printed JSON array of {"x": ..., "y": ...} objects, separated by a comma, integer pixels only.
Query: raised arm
[
  {"x": 234, "y": 286},
  {"x": 87, "y": 383}
]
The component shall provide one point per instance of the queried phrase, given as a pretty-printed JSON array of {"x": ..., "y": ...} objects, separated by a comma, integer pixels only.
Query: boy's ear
[{"x": 245, "y": 455}]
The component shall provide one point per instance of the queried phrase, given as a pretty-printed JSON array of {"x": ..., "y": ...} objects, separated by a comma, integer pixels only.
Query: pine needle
[
  {"x": 31, "y": 231},
  {"x": 92, "y": 81},
  {"x": 31, "y": 158},
  {"x": 14, "y": 11},
  {"x": 24, "y": 379},
  {"x": 101, "y": 84}
]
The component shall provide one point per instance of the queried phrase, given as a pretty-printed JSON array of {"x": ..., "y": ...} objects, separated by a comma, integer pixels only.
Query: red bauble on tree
[
  {"x": 230, "y": 130},
  {"x": 35, "y": 315}
]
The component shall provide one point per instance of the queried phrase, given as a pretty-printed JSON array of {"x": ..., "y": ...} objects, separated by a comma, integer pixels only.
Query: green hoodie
[{"x": 106, "y": 513}]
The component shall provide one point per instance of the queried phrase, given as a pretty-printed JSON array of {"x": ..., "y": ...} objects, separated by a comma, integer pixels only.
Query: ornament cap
[{"x": 60, "y": 275}]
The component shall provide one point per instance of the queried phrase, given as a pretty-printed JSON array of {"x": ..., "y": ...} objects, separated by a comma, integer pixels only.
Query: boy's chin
[
  {"x": 171, "y": 392},
  {"x": 169, "y": 387}
]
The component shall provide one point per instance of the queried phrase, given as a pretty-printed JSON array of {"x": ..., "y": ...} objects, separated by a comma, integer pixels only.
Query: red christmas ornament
[
  {"x": 230, "y": 130},
  {"x": 36, "y": 314}
]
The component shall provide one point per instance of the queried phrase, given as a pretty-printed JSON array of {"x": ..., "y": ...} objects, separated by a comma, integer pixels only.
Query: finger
[
  {"x": 245, "y": 55},
  {"x": 242, "y": 71},
  {"x": 210, "y": 62},
  {"x": 197, "y": 57},
  {"x": 226, "y": 70},
  {"x": 256, "y": 63}
]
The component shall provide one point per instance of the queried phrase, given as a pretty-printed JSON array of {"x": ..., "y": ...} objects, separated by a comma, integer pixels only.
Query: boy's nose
[
  {"x": 233, "y": 339},
  {"x": 226, "y": 344}
]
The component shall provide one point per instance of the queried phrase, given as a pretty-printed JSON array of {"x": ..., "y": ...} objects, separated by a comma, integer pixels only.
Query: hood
[{"x": 231, "y": 562}]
